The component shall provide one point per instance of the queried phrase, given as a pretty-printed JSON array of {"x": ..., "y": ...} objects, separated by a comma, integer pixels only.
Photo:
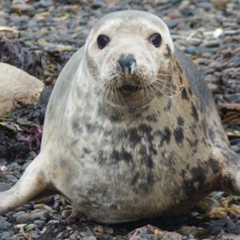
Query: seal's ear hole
[
  {"x": 102, "y": 41},
  {"x": 155, "y": 39}
]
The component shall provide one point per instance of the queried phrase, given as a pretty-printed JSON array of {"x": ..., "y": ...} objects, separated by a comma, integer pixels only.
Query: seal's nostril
[{"x": 127, "y": 62}]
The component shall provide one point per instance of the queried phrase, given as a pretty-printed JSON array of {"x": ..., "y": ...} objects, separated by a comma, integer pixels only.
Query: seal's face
[{"x": 130, "y": 57}]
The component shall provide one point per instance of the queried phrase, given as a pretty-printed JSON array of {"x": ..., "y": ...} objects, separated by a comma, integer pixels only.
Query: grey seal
[{"x": 131, "y": 130}]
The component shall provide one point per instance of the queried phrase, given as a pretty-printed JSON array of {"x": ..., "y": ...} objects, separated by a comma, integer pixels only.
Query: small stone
[
  {"x": 4, "y": 225},
  {"x": 23, "y": 218},
  {"x": 54, "y": 221},
  {"x": 99, "y": 230},
  {"x": 172, "y": 23},
  {"x": 39, "y": 222},
  {"x": 219, "y": 3},
  {"x": 89, "y": 238},
  {"x": 108, "y": 230},
  {"x": 4, "y": 186},
  {"x": 205, "y": 5},
  {"x": 35, "y": 235},
  {"x": 230, "y": 225},
  {"x": 30, "y": 227},
  {"x": 40, "y": 215},
  {"x": 183, "y": 5},
  {"x": 25, "y": 165},
  {"x": 74, "y": 235},
  {"x": 135, "y": 238},
  {"x": 66, "y": 213},
  {"x": 3, "y": 168}
]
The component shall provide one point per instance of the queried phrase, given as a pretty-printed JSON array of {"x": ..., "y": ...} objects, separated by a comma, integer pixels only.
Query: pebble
[
  {"x": 90, "y": 238},
  {"x": 205, "y": 5},
  {"x": 42, "y": 214},
  {"x": 4, "y": 225},
  {"x": 4, "y": 186},
  {"x": 25, "y": 165},
  {"x": 23, "y": 218},
  {"x": 66, "y": 213},
  {"x": 35, "y": 235}
]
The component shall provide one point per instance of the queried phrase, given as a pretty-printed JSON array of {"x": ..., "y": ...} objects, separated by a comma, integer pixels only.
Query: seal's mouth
[{"x": 128, "y": 89}]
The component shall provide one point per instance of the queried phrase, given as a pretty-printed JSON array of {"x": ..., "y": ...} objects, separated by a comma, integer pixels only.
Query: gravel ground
[{"x": 40, "y": 37}]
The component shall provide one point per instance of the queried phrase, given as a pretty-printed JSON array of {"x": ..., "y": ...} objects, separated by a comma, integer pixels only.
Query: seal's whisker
[
  {"x": 166, "y": 81},
  {"x": 168, "y": 74},
  {"x": 144, "y": 86},
  {"x": 164, "y": 86},
  {"x": 119, "y": 95},
  {"x": 172, "y": 92}
]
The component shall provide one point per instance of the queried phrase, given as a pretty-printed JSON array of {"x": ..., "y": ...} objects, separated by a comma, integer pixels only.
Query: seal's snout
[{"x": 126, "y": 63}]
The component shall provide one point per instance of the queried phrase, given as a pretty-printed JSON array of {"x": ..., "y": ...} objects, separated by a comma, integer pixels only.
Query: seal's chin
[{"x": 128, "y": 89}]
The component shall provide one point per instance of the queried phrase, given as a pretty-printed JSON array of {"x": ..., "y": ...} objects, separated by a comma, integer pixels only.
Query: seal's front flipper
[
  {"x": 231, "y": 173},
  {"x": 31, "y": 185}
]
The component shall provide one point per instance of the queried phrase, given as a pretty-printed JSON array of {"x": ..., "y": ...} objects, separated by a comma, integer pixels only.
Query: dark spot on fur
[
  {"x": 76, "y": 126},
  {"x": 183, "y": 173},
  {"x": 150, "y": 179},
  {"x": 180, "y": 79},
  {"x": 195, "y": 113},
  {"x": 165, "y": 135},
  {"x": 135, "y": 179},
  {"x": 193, "y": 144},
  {"x": 168, "y": 54},
  {"x": 91, "y": 128},
  {"x": 197, "y": 180},
  {"x": 169, "y": 105},
  {"x": 86, "y": 150},
  {"x": 134, "y": 137},
  {"x": 62, "y": 163},
  {"x": 159, "y": 94},
  {"x": 203, "y": 140},
  {"x": 180, "y": 121},
  {"x": 152, "y": 118},
  {"x": 113, "y": 206},
  {"x": 143, "y": 183},
  {"x": 121, "y": 156},
  {"x": 178, "y": 134},
  {"x": 184, "y": 94},
  {"x": 116, "y": 117},
  {"x": 145, "y": 128},
  {"x": 198, "y": 174},
  {"x": 214, "y": 165},
  {"x": 179, "y": 68},
  {"x": 204, "y": 127},
  {"x": 149, "y": 162},
  {"x": 158, "y": 133},
  {"x": 101, "y": 157},
  {"x": 212, "y": 134},
  {"x": 190, "y": 91}
]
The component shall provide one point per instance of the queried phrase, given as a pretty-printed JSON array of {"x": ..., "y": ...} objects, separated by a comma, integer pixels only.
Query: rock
[
  {"x": 23, "y": 218},
  {"x": 17, "y": 86},
  {"x": 4, "y": 225},
  {"x": 42, "y": 214},
  {"x": 205, "y": 5},
  {"x": 4, "y": 187}
]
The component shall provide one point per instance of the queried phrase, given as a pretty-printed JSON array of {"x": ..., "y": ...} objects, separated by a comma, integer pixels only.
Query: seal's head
[{"x": 130, "y": 55}]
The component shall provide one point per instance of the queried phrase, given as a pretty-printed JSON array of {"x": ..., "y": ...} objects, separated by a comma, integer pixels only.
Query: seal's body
[{"x": 131, "y": 129}]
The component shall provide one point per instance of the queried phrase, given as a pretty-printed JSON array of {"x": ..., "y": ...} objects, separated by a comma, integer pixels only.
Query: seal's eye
[
  {"x": 155, "y": 39},
  {"x": 102, "y": 41}
]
